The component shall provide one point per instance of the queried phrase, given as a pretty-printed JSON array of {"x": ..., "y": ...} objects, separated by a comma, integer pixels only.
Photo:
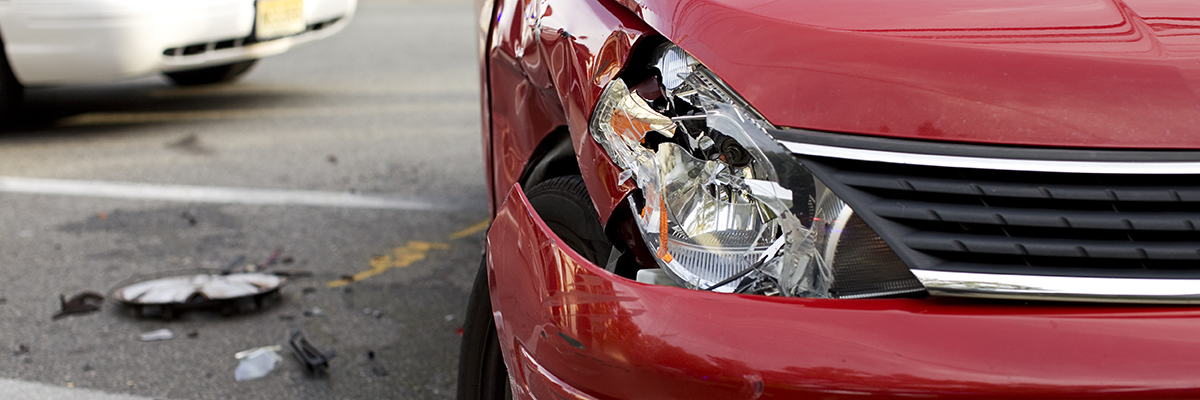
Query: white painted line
[
  {"x": 146, "y": 117},
  {"x": 14, "y": 389},
  {"x": 207, "y": 194}
]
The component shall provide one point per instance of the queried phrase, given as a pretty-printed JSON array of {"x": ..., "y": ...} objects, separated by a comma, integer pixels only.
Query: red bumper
[{"x": 585, "y": 332}]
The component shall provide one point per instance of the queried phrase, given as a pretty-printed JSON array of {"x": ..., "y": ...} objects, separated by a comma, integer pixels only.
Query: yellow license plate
[{"x": 278, "y": 18}]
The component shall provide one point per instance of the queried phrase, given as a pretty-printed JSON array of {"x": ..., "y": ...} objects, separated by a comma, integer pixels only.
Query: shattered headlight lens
[{"x": 724, "y": 206}]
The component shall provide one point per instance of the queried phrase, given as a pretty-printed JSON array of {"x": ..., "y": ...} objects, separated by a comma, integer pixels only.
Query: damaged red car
[{"x": 720, "y": 199}]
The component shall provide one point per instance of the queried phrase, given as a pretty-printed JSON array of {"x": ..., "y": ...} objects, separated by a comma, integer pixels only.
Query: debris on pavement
[
  {"x": 187, "y": 216},
  {"x": 84, "y": 302},
  {"x": 271, "y": 260},
  {"x": 312, "y": 312},
  {"x": 246, "y": 353},
  {"x": 314, "y": 359},
  {"x": 161, "y": 334},
  {"x": 233, "y": 265},
  {"x": 292, "y": 273},
  {"x": 449, "y": 317},
  {"x": 21, "y": 349},
  {"x": 256, "y": 363},
  {"x": 193, "y": 334},
  {"x": 175, "y": 294}
]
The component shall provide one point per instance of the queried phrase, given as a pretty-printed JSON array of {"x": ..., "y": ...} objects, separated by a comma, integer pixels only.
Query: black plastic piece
[{"x": 314, "y": 359}]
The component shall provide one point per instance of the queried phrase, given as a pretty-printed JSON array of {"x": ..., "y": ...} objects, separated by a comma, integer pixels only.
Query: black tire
[
  {"x": 210, "y": 75},
  {"x": 564, "y": 204},
  {"x": 11, "y": 91},
  {"x": 482, "y": 374}
]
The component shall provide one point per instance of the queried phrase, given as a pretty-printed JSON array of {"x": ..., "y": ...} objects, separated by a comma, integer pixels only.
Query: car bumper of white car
[{"x": 51, "y": 42}]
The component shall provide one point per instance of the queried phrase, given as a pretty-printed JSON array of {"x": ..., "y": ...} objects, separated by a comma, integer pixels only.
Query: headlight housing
[{"x": 724, "y": 206}]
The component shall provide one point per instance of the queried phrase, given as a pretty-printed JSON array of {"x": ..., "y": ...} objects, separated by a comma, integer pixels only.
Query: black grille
[
  {"x": 1035, "y": 223},
  {"x": 201, "y": 48}
]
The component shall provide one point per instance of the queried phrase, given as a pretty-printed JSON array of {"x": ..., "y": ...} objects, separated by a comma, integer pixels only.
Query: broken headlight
[{"x": 725, "y": 207}]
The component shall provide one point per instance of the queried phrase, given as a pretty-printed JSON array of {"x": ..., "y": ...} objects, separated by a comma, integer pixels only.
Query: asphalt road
[{"x": 139, "y": 178}]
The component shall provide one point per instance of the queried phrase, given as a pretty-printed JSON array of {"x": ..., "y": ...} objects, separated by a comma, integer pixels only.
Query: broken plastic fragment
[
  {"x": 83, "y": 302},
  {"x": 161, "y": 334},
  {"x": 309, "y": 355},
  {"x": 256, "y": 363},
  {"x": 198, "y": 288},
  {"x": 312, "y": 312},
  {"x": 624, "y": 176},
  {"x": 655, "y": 276}
]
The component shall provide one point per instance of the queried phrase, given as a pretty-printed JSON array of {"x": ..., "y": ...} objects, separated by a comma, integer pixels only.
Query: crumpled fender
[{"x": 580, "y": 47}]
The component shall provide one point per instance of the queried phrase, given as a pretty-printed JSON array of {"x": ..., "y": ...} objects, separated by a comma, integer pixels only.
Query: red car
[{"x": 727, "y": 199}]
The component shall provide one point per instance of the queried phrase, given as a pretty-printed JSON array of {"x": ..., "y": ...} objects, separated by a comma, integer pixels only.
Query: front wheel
[
  {"x": 11, "y": 91},
  {"x": 482, "y": 374},
  {"x": 210, "y": 75}
]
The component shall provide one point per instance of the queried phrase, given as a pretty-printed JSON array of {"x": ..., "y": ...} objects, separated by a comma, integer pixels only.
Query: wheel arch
[{"x": 553, "y": 157}]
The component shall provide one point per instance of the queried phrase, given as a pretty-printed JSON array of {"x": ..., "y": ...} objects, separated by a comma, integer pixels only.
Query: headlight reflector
[{"x": 724, "y": 206}]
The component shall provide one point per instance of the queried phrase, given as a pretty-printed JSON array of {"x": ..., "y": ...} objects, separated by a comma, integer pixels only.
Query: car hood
[{"x": 1067, "y": 73}]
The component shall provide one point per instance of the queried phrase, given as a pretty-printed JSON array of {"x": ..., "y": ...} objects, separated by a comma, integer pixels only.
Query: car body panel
[
  {"x": 548, "y": 62},
  {"x": 1070, "y": 73},
  {"x": 569, "y": 329},
  {"x": 609, "y": 337},
  {"x": 50, "y": 42}
]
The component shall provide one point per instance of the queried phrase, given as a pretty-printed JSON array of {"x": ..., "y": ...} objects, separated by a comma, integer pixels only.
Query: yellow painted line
[
  {"x": 403, "y": 257},
  {"x": 470, "y": 231}
]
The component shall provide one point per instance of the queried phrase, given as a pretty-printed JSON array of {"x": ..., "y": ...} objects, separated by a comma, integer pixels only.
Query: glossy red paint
[
  {"x": 1076, "y": 73},
  {"x": 487, "y": 12},
  {"x": 549, "y": 61},
  {"x": 522, "y": 107},
  {"x": 594, "y": 333},
  {"x": 1073, "y": 73}
]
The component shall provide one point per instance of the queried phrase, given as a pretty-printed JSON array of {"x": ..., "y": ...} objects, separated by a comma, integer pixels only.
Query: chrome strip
[
  {"x": 1061, "y": 288},
  {"x": 835, "y": 235},
  {"x": 1007, "y": 164}
]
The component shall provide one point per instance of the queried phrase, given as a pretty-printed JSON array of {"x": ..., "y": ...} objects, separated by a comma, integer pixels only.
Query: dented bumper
[{"x": 569, "y": 329}]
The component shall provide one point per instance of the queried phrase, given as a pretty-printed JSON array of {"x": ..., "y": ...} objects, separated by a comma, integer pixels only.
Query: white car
[{"x": 55, "y": 42}]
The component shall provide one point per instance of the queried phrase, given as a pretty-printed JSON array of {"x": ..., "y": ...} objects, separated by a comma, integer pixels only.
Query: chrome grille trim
[
  {"x": 1003, "y": 164},
  {"x": 1024, "y": 286},
  {"x": 1060, "y": 288}
]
